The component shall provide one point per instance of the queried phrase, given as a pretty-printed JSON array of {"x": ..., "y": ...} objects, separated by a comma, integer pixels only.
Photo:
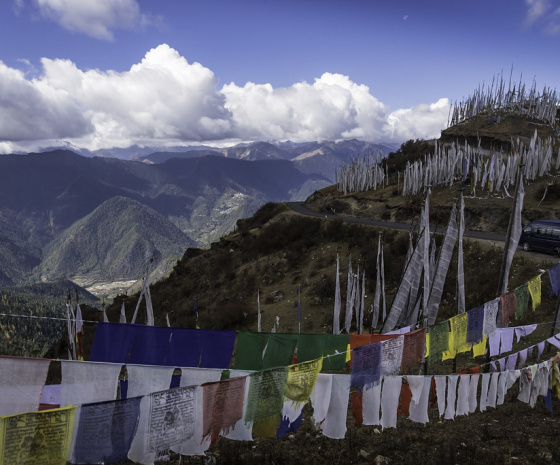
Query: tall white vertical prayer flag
[
  {"x": 442, "y": 267},
  {"x": 426, "y": 256},
  {"x": 515, "y": 233},
  {"x": 123, "y": 314},
  {"x": 349, "y": 297},
  {"x": 460, "y": 268},
  {"x": 377, "y": 296},
  {"x": 337, "y": 299},
  {"x": 362, "y": 303},
  {"x": 258, "y": 310}
]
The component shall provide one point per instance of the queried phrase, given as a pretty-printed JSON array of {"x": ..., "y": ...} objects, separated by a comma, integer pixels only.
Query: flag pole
[{"x": 299, "y": 306}]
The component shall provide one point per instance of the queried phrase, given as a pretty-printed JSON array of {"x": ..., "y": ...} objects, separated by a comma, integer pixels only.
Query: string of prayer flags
[
  {"x": 334, "y": 424},
  {"x": 509, "y": 306},
  {"x": 473, "y": 391},
  {"x": 169, "y": 420},
  {"x": 144, "y": 379},
  {"x": 300, "y": 384},
  {"x": 84, "y": 383},
  {"x": 451, "y": 397},
  {"x": 420, "y": 390},
  {"x": 21, "y": 384},
  {"x": 222, "y": 406},
  {"x": 301, "y": 380},
  {"x": 199, "y": 376},
  {"x": 217, "y": 348},
  {"x": 390, "y": 401},
  {"x": 314, "y": 346},
  {"x": 413, "y": 349},
  {"x": 405, "y": 398},
  {"x": 463, "y": 395},
  {"x": 534, "y": 286},
  {"x": 480, "y": 348},
  {"x": 438, "y": 337},
  {"x": 292, "y": 417},
  {"x": 371, "y": 405},
  {"x": 391, "y": 356},
  {"x": 261, "y": 351},
  {"x": 185, "y": 348},
  {"x": 457, "y": 336},
  {"x": 554, "y": 276},
  {"x": 475, "y": 324},
  {"x": 491, "y": 310},
  {"x": 37, "y": 437},
  {"x": 158, "y": 345},
  {"x": 522, "y": 296},
  {"x": 150, "y": 344},
  {"x": 366, "y": 366},
  {"x": 112, "y": 342},
  {"x": 265, "y": 401},
  {"x": 522, "y": 331},
  {"x": 320, "y": 397},
  {"x": 105, "y": 431},
  {"x": 359, "y": 340}
]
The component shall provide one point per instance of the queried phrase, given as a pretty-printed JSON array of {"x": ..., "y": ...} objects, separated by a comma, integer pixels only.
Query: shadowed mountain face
[{"x": 63, "y": 215}]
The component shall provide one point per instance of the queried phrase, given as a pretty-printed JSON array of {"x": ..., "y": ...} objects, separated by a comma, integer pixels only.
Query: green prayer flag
[
  {"x": 439, "y": 341},
  {"x": 522, "y": 295},
  {"x": 313, "y": 346},
  {"x": 265, "y": 400},
  {"x": 260, "y": 351}
]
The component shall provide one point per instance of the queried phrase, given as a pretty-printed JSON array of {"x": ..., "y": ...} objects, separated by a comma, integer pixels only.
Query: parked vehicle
[{"x": 541, "y": 235}]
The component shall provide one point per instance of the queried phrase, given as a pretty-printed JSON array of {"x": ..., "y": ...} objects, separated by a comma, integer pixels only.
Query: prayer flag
[
  {"x": 260, "y": 351},
  {"x": 222, "y": 406},
  {"x": 105, "y": 431},
  {"x": 366, "y": 366},
  {"x": 534, "y": 286},
  {"x": 332, "y": 347},
  {"x": 37, "y": 437},
  {"x": 413, "y": 349},
  {"x": 301, "y": 380},
  {"x": 439, "y": 341},
  {"x": 509, "y": 306},
  {"x": 475, "y": 325},
  {"x": 554, "y": 276},
  {"x": 265, "y": 401}
]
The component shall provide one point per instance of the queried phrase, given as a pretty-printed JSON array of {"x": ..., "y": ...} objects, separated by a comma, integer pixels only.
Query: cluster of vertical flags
[{"x": 419, "y": 294}]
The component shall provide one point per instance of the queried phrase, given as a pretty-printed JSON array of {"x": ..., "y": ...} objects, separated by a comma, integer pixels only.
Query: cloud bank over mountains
[{"x": 164, "y": 99}]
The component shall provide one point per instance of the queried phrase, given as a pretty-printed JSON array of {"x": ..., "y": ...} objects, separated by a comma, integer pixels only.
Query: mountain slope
[
  {"x": 116, "y": 240},
  {"x": 41, "y": 195}
]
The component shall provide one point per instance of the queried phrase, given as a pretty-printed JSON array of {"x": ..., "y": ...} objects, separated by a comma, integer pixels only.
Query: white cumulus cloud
[
  {"x": 161, "y": 98},
  {"x": 333, "y": 107},
  {"x": 96, "y": 18},
  {"x": 164, "y": 99},
  {"x": 418, "y": 122},
  {"x": 33, "y": 110}
]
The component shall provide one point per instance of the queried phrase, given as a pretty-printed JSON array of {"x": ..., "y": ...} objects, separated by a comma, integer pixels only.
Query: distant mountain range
[{"x": 92, "y": 219}]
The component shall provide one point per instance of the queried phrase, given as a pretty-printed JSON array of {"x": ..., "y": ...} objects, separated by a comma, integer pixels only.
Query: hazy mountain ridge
[
  {"x": 44, "y": 198},
  {"x": 320, "y": 158}
]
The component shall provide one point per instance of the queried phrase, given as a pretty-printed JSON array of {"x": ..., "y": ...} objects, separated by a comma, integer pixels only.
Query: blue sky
[{"x": 111, "y": 73}]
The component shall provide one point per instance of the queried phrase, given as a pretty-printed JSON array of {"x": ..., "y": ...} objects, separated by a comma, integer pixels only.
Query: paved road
[{"x": 298, "y": 207}]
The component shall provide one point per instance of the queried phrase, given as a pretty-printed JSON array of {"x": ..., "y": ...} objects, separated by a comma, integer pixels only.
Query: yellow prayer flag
[
  {"x": 301, "y": 380},
  {"x": 457, "y": 336},
  {"x": 37, "y": 437},
  {"x": 480, "y": 348},
  {"x": 535, "y": 290}
]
